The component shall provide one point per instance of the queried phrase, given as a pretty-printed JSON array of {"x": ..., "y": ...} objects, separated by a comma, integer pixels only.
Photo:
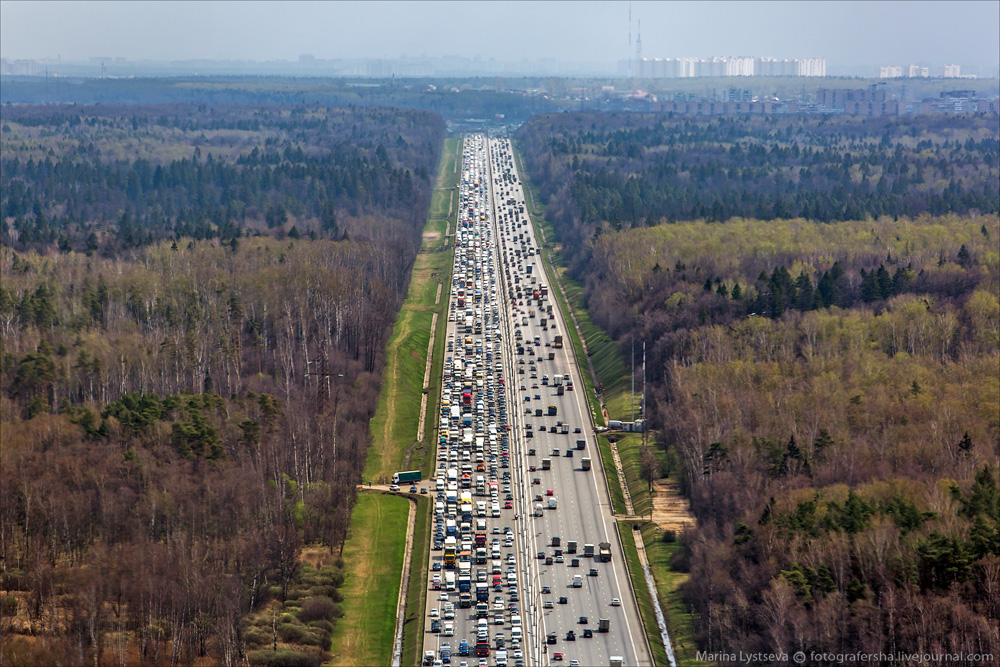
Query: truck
[
  {"x": 553, "y": 503},
  {"x": 546, "y": 464},
  {"x": 616, "y": 661},
  {"x": 406, "y": 476},
  {"x": 604, "y": 552},
  {"x": 581, "y": 443},
  {"x": 557, "y": 341},
  {"x": 571, "y": 547},
  {"x": 482, "y": 591},
  {"x": 464, "y": 583},
  {"x": 588, "y": 550},
  {"x": 449, "y": 581},
  {"x": 552, "y": 411},
  {"x": 586, "y": 463},
  {"x": 603, "y": 625},
  {"x": 577, "y": 581},
  {"x": 465, "y": 599}
]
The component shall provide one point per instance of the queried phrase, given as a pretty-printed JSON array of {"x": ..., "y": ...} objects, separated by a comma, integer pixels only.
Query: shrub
[
  {"x": 8, "y": 605},
  {"x": 292, "y": 633},
  {"x": 319, "y": 608},
  {"x": 283, "y": 658}
]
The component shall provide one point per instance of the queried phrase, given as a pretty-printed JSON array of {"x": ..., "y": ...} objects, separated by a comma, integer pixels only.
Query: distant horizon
[
  {"x": 307, "y": 65},
  {"x": 929, "y": 34}
]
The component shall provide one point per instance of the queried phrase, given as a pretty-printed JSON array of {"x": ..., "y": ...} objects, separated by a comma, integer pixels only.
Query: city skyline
[{"x": 598, "y": 34}]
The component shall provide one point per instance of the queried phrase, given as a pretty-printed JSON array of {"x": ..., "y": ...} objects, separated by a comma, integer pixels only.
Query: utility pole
[
  {"x": 643, "y": 392},
  {"x": 633, "y": 373}
]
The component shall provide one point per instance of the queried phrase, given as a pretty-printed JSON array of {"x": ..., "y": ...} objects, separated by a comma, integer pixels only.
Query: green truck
[{"x": 407, "y": 476}]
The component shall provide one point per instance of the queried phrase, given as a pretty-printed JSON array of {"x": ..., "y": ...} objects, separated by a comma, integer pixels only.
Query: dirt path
[
  {"x": 404, "y": 331},
  {"x": 404, "y": 585},
  {"x": 670, "y": 508},
  {"x": 427, "y": 379}
]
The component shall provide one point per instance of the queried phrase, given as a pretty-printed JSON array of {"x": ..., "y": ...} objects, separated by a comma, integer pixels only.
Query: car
[
  {"x": 548, "y": 560},
  {"x": 435, "y": 626},
  {"x": 546, "y": 590},
  {"x": 508, "y": 505},
  {"x": 615, "y": 602},
  {"x": 550, "y": 638},
  {"x": 582, "y": 621},
  {"x": 541, "y": 555},
  {"x": 550, "y": 492},
  {"x": 413, "y": 489},
  {"x": 593, "y": 572},
  {"x": 435, "y": 613},
  {"x": 436, "y": 567},
  {"x": 587, "y": 633},
  {"x": 547, "y": 604},
  {"x": 557, "y": 656},
  {"x": 563, "y": 600},
  {"x": 571, "y": 636},
  {"x": 559, "y": 559},
  {"x": 576, "y": 430},
  {"x": 443, "y": 596},
  {"x": 394, "y": 487},
  {"x": 574, "y": 663}
]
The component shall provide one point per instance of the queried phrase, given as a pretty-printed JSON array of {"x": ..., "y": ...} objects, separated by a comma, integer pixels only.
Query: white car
[
  {"x": 394, "y": 487},
  {"x": 435, "y": 613},
  {"x": 615, "y": 602}
]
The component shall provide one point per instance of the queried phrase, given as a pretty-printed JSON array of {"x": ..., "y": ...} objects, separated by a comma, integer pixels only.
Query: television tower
[
  {"x": 638, "y": 53},
  {"x": 630, "y": 41}
]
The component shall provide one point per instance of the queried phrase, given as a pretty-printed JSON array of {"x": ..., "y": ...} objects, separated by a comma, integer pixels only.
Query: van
[
  {"x": 516, "y": 634},
  {"x": 449, "y": 629}
]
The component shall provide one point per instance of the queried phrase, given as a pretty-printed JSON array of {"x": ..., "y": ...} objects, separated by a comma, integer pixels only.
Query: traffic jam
[
  {"x": 474, "y": 580},
  {"x": 497, "y": 557}
]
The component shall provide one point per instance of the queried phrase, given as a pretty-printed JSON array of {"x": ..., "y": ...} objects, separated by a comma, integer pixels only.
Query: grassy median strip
[
  {"x": 642, "y": 595},
  {"x": 364, "y": 636},
  {"x": 416, "y": 597},
  {"x": 608, "y": 462},
  {"x": 394, "y": 426}
]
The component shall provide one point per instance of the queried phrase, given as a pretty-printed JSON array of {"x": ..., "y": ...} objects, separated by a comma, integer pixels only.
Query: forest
[
  {"x": 192, "y": 318},
  {"x": 823, "y": 352},
  {"x": 453, "y": 99}
]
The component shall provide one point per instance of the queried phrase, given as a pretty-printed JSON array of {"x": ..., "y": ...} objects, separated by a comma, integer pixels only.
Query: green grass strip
[
  {"x": 680, "y": 622},
  {"x": 642, "y": 595},
  {"x": 416, "y": 598},
  {"x": 365, "y": 635}
]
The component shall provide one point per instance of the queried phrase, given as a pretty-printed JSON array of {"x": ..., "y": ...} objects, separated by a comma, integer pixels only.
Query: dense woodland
[
  {"x": 194, "y": 307},
  {"x": 820, "y": 300},
  {"x": 454, "y": 99}
]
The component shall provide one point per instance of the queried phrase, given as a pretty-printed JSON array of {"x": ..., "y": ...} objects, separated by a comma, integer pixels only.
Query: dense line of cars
[{"x": 474, "y": 572}]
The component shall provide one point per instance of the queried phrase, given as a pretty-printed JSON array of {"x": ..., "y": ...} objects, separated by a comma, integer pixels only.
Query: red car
[
  {"x": 507, "y": 505},
  {"x": 557, "y": 655},
  {"x": 549, "y": 492}
]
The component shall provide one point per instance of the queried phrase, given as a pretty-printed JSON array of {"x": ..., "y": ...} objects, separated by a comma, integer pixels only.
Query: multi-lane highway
[{"x": 529, "y": 568}]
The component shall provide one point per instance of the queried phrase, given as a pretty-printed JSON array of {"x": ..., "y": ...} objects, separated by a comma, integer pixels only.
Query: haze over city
[{"x": 854, "y": 37}]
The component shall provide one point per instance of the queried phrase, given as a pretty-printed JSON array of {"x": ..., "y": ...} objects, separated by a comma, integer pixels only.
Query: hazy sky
[{"x": 846, "y": 33}]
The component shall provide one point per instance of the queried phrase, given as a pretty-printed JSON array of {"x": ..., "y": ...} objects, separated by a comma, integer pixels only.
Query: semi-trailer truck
[{"x": 407, "y": 476}]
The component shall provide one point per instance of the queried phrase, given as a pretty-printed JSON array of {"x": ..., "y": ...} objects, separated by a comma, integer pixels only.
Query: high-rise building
[
  {"x": 719, "y": 66},
  {"x": 951, "y": 71}
]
